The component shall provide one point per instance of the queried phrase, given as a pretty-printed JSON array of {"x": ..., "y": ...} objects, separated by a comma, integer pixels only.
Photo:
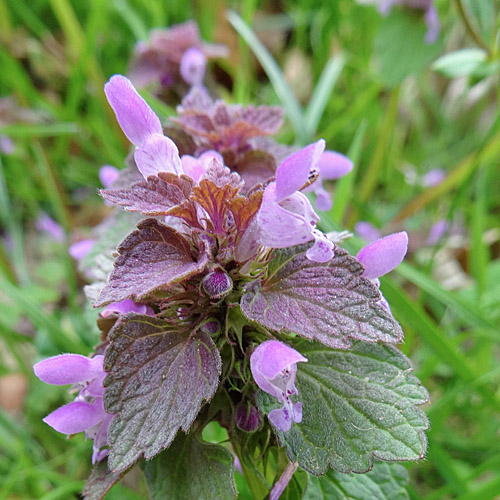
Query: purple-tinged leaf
[
  {"x": 158, "y": 378},
  {"x": 256, "y": 167},
  {"x": 154, "y": 196},
  {"x": 191, "y": 469},
  {"x": 358, "y": 405},
  {"x": 101, "y": 480},
  {"x": 151, "y": 258},
  {"x": 329, "y": 302}
]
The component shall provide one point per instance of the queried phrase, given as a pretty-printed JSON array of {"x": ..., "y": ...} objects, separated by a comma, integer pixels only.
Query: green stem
[{"x": 470, "y": 28}]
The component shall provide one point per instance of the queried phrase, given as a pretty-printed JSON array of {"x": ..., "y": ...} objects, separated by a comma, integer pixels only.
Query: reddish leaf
[
  {"x": 244, "y": 209},
  {"x": 214, "y": 200}
]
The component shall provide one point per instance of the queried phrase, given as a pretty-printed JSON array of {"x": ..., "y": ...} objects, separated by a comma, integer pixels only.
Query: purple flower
[
  {"x": 86, "y": 412},
  {"x": 332, "y": 165},
  {"x": 193, "y": 65},
  {"x": 46, "y": 224},
  {"x": 274, "y": 366},
  {"x": 80, "y": 249},
  {"x": 433, "y": 177},
  {"x": 197, "y": 167},
  {"x": 367, "y": 231},
  {"x": 248, "y": 418},
  {"x": 126, "y": 306},
  {"x": 108, "y": 175},
  {"x": 382, "y": 256},
  {"x": 437, "y": 231},
  {"x": 286, "y": 217},
  {"x": 154, "y": 152},
  {"x": 7, "y": 146},
  {"x": 169, "y": 57}
]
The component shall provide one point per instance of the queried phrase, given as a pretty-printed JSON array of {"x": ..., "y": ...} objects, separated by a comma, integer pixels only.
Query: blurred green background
[{"x": 366, "y": 83}]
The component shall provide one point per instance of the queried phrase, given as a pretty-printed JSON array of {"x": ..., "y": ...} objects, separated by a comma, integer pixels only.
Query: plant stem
[{"x": 472, "y": 31}]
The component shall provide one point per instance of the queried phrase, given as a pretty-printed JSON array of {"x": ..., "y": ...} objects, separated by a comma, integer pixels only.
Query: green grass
[{"x": 389, "y": 122}]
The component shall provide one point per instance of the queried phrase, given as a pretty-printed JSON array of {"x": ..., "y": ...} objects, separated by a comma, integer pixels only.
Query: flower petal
[
  {"x": 271, "y": 357},
  {"x": 80, "y": 249},
  {"x": 322, "y": 250},
  {"x": 75, "y": 417},
  {"x": 193, "y": 65},
  {"x": 108, "y": 175},
  {"x": 68, "y": 369},
  {"x": 126, "y": 306},
  {"x": 333, "y": 165},
  {"x": 158, "y": 154},
  {"x": 294, "y": 171},
  {"x": 135, "y": 117},
  {"x": 281, "y": 227},
  {"x": 367, "y": 231},
  {"x": 382, "y": 256},
  {"x": 281, "y": 419}
]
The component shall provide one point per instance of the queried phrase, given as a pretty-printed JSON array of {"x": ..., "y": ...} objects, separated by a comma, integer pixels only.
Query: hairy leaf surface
[
  {"x": 151, "y": 258},
  {"x": 329, "y": 302},
  {"x": 101, "y": 480},
  {"x": 158, "y": 378},
  {"x": 357, "y": 405},
  {"x": 191, "y": 468},
  {"x": 384, "y": 482},
  {"x": 154, "y": 196}
]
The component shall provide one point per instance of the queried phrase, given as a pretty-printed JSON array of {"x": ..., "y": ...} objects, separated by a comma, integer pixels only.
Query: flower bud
[
  {"x": 217, "y": 284},
  {"x": 248, "y": 418}
]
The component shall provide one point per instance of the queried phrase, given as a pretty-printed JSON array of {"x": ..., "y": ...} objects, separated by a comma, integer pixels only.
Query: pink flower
[
  {"x": 126, "y": 306},
  {"x": 332, "y": 166},
  {"x": 108, "y": 175},
  {"x": 46, "y": 224},
  {"x": 286, "y": 217},
  {"x": 193, "y": 65},
  {"x": 154, "y": 152},
  {"x": 367, "y": 231},
  {"x": 382, "y": 256},
  {"x": 86, "y": 412},
  {"x": 274, "y": 366},
  {"x": 80, "y": 249}
]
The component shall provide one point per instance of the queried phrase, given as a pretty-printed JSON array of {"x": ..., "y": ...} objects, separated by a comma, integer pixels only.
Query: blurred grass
[{"x": 55, "y": 56}]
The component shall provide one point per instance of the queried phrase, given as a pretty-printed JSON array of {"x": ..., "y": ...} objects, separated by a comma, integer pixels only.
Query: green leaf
[
  {"x": 158, "y": 377},
  {"x": 329, "y": 302},
  {"x": 274, "y": 73},
  {"x": 357, "y": 405},
  {"x": 461, "y": 62},
  {"x": 191, "y": 468},
  {"x": 400, "y": 49},
  {"x": 384, "y": 482}
]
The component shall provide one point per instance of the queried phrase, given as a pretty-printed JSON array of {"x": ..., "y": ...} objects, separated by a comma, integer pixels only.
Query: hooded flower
[
  {"x": 173, "y": 55},
  {"x": 49, "y": 226},
  {"x": 154, "y": 151},
  {"x": 382, "y": 256},
  {"x": 126, "y": 306},
  {"x": 332, "y": 166},
  {"x": 86, "y": 412},
  {"x": 274, "y": 366},
  {"x": 286, "y": 217}
]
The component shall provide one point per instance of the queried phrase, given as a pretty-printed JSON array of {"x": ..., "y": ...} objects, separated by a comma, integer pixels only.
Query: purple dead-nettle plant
[
  {"x": 228, "y": 303},
  {"x": 173, "y": 58}
]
